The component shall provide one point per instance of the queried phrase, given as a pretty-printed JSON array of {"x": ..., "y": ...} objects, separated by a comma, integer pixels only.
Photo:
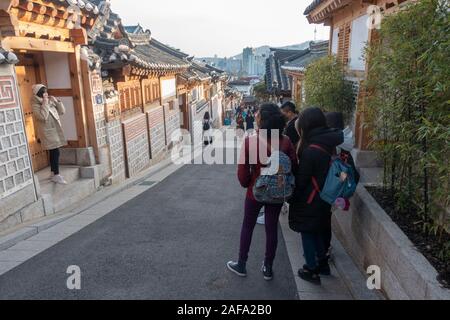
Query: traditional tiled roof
[
  {"x": 312, "y": 6},
  {"x": 152, "y": 54},
  {"x": 118, "y": 45},
  {"x": 274, "y": 72},
  {"x": 84, "y": 5},
  {"x": 7, "y": 57},
  {"x": 203, "y": 72},
  {"x": 170, "y": 50},
  {"x": 316, "y": 50}
]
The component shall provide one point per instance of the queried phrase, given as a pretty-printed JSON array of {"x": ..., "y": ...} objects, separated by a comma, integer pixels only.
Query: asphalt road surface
[{"x": 171, "y": 242}]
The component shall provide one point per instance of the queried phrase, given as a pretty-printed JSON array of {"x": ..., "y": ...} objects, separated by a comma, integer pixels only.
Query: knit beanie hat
[{"x": 36, "y": 88}]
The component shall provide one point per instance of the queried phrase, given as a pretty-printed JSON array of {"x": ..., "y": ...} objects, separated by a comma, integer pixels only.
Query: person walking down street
[
  {"x": 269, "y": 119},
  {"x": 250, "y": 121},
  {"x": 308, "y": 213},
  {"x": 47, "y": 111},
  {"x": 290, "y": 112},
  {"x": 207, "y": 129},
  {"x": 240, "y": 121}
]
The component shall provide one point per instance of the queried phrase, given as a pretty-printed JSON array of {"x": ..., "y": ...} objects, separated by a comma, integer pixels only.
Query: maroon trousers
[{"x": 272, "y": 215}]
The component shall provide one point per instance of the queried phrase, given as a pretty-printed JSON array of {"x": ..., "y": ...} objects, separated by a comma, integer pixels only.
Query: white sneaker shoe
[
  {"x": 58, "y": 179},
  {"x": 261, "y": 219}
]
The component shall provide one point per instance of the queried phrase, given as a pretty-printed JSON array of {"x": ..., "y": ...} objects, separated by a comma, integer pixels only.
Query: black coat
[
  {"x": 291, "y": 132},
  {"x": 304, "y": 217},
  {"x": 250, "y": 120}
]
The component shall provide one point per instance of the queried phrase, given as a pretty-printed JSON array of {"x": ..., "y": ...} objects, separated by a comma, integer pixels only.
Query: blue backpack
[
  {"x": 340, "y": 183},
  {"x": 275, "y": 188}
]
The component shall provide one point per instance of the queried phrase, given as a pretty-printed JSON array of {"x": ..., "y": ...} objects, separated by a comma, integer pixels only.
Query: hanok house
[
  {"x": 349, "y": 23},
  {"x": 278, "y": 82},
  {"x": 296, "y": 69},
  {"x": 197, "y": 81},
  {"x": 47, "y": 38},
  {"x": 140, "y": 85}
]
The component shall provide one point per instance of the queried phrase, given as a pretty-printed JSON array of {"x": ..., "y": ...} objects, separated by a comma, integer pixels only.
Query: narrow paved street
[{"x": 170, "y": 242}]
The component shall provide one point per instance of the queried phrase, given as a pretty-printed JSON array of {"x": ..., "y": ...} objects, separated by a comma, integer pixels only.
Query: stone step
[
  {"x": 64, "y": 196},
  {"x": 70, "y": 174}
]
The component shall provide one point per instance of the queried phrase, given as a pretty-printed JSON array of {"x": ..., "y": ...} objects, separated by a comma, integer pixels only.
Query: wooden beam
[
  {"x": 78, "y": 98},
  {"x": 25, "y": 28},
  {"x": 89, "y": 104},
  {"x": 24, "y": 43}
]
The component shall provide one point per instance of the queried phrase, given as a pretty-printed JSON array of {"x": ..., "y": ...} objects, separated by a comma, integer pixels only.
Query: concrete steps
[
  {"x": 59, "y": 197},
  {"x": 70, "y": 173}
]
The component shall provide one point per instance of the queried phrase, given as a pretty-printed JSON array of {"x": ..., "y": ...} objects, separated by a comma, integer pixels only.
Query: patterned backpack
[{"x": 275, "y": 187}]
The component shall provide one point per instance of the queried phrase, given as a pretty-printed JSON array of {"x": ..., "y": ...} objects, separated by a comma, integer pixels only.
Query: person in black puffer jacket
[{"x": 311, "y": 216}]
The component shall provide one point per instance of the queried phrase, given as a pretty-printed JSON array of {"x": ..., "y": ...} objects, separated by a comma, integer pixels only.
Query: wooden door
[{"x": 27, "y": 76}]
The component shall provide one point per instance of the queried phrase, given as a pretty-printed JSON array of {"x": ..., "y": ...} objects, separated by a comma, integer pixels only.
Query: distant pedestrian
[
  {"x": 250, "y": 121},
  {"x": 47, "y": 110},
  {"x": 207, "y": 129},
  {"x": 270, "y": 120},
  {"x": 240, "y": 121},
  {"x": 290, "y": 112},
  {"x": 308, "y": 213}
]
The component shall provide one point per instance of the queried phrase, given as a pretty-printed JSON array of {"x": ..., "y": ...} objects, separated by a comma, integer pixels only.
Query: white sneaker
[
  {"x": 261, "y": 219},
  {"x": 59, "y": 179}
]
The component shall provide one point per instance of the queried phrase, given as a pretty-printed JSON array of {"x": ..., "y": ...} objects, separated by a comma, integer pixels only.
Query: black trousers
[{"x": 54, "y": 161}]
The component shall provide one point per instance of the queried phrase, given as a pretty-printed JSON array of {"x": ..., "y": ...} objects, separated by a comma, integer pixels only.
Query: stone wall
[
  {"x": 172, "y": 121},
  {"x": 116, "y": 151},
  {"x": 137, "y": 148},
  {"x": 17, "y": 189},
  {"x": 373, "y": 239},
  {"x": 155, "y": 118}
]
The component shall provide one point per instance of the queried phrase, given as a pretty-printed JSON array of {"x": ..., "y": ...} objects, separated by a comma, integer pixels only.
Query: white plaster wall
[
  {"x": 168, "y": 88},
  {"x": 334, "y": 41},
  {"x": 68, "y": 119},
  {"x": 359, "y": 38},
  {"x": 57, "y": 70}
]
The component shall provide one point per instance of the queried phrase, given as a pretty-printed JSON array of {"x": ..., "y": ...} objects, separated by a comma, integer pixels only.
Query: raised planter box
[{"x": 372, "y": 238}]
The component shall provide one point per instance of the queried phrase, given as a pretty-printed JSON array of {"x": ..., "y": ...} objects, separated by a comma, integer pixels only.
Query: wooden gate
[{"x": 27, "y": 75}]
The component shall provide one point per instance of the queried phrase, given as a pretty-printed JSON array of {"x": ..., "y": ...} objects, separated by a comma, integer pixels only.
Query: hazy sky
[{"x": 223, "y": 27}]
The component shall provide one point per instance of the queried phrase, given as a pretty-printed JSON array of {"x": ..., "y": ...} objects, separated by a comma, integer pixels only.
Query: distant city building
[{"x": 253, "y": 64}]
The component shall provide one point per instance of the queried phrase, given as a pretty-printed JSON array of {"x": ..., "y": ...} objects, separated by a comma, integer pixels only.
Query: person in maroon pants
[{"x": 271, "y": 123}]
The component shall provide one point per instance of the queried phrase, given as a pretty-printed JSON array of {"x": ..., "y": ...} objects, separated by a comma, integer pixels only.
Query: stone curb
[
  {"x": 351, "y": 276},
  {"x": 372, "y": 238}
]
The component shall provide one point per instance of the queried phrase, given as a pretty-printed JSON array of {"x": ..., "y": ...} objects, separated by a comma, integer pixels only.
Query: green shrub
[
  {"x": 409, "y": 108},
  {"x": 327, "y": 88}
]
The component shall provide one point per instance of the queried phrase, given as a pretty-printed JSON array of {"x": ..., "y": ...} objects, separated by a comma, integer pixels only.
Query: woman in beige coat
[{"x": 47, "y": 111}]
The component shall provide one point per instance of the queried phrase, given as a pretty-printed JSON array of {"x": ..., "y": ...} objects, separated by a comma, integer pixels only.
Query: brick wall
[{"x": 137, "y": 148}]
